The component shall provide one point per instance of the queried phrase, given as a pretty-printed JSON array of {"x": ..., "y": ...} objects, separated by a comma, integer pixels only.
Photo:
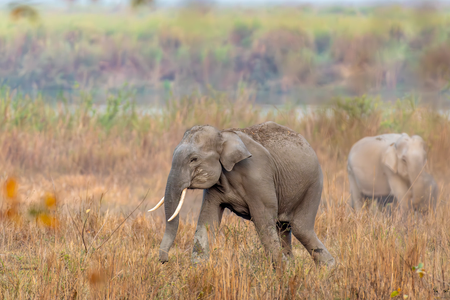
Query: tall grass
[{"x": 97, "y": 164}]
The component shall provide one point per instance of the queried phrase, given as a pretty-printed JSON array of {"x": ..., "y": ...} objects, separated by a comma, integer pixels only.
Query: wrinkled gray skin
[
  {"x": 265, "y": 173},
  {"x": 387, "y": 165}
]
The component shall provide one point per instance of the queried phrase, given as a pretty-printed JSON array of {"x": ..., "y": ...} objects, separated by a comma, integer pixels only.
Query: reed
[{"x": 73, "y": 173}]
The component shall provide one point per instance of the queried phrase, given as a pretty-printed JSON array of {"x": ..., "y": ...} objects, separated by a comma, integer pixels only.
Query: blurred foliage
[
  {"x": 139, "y": 3},
  {"x": 351, "y": 51},
  {"x": 44, "y": 214},
  {"x": 23, "y": 11},
  {"x": 357, "y": 108}
]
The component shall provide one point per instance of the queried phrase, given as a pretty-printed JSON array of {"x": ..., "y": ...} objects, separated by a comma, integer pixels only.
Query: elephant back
[{"x": 270, "y": 135}]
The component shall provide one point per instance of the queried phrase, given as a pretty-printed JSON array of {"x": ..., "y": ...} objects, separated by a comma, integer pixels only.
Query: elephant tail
[{"x": 349, "y": 167}]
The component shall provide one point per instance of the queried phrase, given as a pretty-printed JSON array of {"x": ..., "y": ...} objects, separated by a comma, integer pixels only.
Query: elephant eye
[{"x": 193, "y": 159}]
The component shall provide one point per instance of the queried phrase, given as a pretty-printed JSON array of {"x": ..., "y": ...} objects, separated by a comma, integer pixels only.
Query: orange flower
[
  {"x": 10, "y": 188},
  {"x": 50, "y": 200},
  {"x": 48, "y": 221}
]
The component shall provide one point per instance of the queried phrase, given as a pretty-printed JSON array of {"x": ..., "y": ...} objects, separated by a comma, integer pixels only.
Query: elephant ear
[
  {"x": 389, "y": 158},
  {"x": 233, "y": 150}
]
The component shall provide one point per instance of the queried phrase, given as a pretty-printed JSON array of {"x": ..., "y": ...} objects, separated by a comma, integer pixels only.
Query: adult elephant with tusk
[
  {"x": 392, "y": 164},
  {"x": 266, "y": 173}
]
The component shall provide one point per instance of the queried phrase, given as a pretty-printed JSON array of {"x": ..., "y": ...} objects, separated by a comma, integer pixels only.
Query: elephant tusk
[
  {"x": 157, "y": 205},
  {"x": 183, "y": 194}
]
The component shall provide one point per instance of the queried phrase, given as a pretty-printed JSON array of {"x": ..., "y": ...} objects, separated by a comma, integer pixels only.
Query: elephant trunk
[
  {"x": 425, "y": 192},
  {"x": 418, "y": 190},
  {"x": 174, "y": 195},
  {"x": 419, "y": 179}
]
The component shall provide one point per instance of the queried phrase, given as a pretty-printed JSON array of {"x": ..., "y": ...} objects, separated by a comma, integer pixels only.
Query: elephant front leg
[
  {"x": 265, "y": 224},
  {"x": 402, "y": 193},
  {"x": 208, "y": 222},
  {"x": 406, "y": 206},
  {"x": 356, "y": 200},
  {"x": 284, "y": 233}
]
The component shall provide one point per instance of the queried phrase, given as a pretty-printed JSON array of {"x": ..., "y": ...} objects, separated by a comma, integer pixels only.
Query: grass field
[{"x": 72, "y": 174}]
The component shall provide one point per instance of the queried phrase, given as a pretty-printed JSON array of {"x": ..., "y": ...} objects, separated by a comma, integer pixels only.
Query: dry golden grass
[{"x": 65, "y": 233}]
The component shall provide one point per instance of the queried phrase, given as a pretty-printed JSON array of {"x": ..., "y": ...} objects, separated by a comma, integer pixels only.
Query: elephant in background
[
  {"x": 266, "y": 173},
  {"x": 391, "y": 165}
]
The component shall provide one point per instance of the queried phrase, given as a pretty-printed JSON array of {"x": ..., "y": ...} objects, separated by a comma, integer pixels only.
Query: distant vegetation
[{"x": 280, "y": 50}]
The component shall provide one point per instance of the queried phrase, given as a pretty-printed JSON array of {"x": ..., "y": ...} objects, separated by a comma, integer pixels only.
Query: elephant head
[
  {"x": 407, "y": 158},
  {"x": 197, "y": 163}
]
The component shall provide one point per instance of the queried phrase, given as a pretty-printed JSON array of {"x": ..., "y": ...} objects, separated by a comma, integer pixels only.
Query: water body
[
  {"x": 151, "y": 102},
  {"x": 299, "y": 96}
]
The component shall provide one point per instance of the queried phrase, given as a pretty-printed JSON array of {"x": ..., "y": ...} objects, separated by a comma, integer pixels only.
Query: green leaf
[
  {"x": 420, "y": 265},
  {"x": 395, "y": 294}
]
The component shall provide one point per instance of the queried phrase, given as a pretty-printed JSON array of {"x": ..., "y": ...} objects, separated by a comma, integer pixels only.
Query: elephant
[
  {"x": 391, "y": 166},
  {"x": 266, "y": 173}
]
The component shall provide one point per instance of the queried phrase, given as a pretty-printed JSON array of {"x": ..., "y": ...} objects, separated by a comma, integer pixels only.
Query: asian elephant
[
  {"x": 266, "y": 173},
  {"x": 391, "y": 165}
]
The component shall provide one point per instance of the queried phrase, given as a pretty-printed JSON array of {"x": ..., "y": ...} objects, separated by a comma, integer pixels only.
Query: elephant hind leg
[
  {"x": 303, "y": 226},
  {"x": 284, "y": 232},
  {"x": 313, "y": 245},
  {"x": 356, "y": 196}
]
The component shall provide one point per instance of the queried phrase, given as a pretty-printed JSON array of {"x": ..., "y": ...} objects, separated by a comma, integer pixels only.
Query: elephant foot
[
  {"x": 323, "y": 257},
  {"x": 286, "y": 257},
  {"x": 330, "y": 263},
  {"x": 197, "y": 259},
  {"x": 199, "y": 254},
  {"x": 163, "y": 256}
]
